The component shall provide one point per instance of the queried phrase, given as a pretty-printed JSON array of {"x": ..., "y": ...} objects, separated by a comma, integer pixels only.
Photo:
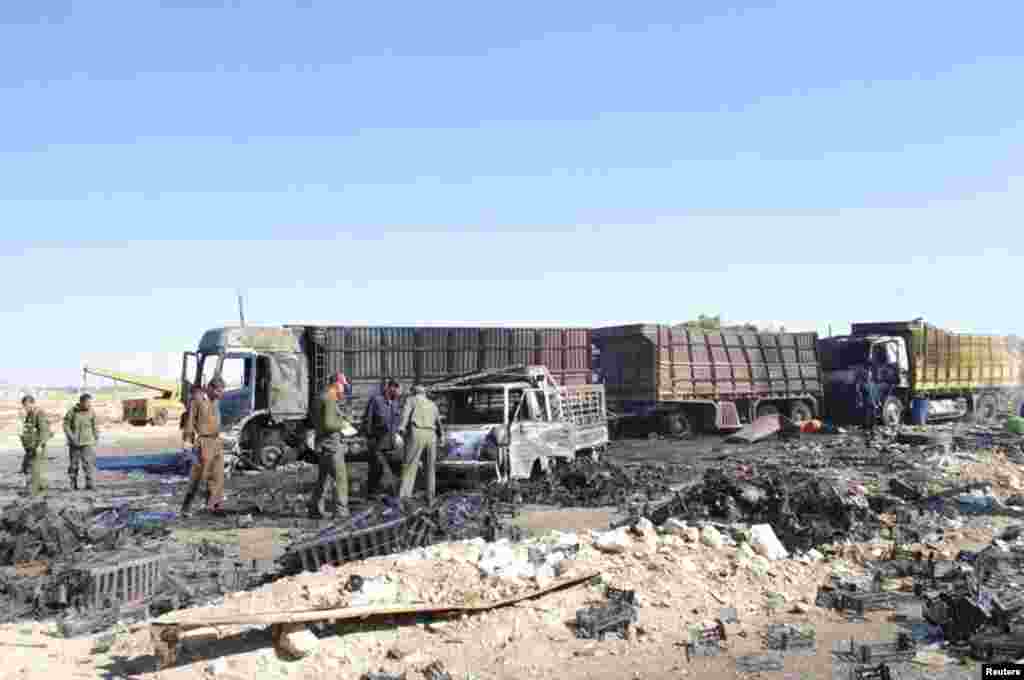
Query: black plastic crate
[
  {"x": 121, "y": 583},
  {"x": 335, "y": 548}
]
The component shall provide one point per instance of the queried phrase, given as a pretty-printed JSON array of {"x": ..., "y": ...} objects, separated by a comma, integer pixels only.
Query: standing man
[
  {"x": 202, "y": 429},
  {"x": 82, "y": 435},
  {"x": 421, "y": 421},
  {"x": 331, "y": 463},
  {"x": 381, "y": 425},
  {"x": 34, "y": 436}
]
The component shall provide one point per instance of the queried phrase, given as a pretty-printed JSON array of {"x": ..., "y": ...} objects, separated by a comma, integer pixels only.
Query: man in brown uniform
[
  {"x": 421, "y": 423},
  {"x": 202, "y": 428},
  {"x": 329, "y": 424}
]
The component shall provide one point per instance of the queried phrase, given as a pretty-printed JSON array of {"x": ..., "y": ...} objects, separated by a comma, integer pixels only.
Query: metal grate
[
  {"x": 335, "y": 548},
  {"x": 123, "y": 583}
]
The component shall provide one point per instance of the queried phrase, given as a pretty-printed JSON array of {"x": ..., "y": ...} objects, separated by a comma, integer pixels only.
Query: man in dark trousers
[
  {"x": 329, "y": 424},
  {"x": 869, "y": 399},
  {"x": 380, "y": 423},
  {"x": 82, "y": 434}
]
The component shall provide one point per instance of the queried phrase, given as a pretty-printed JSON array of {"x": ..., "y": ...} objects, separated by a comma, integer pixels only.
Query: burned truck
[
  {"x": 678, "y": 380},
  {"x": 274, "y": 375},
  {"x": 944, "y": 375},
  {"x": 517, "y": 423}
]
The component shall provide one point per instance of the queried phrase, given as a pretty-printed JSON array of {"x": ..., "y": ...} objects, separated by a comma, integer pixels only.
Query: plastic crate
[
  {"x": 122, "y": 583},
  {"x": 335, "y": 548}
]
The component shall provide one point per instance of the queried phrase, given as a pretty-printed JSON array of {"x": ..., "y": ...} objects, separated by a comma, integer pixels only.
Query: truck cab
[
  {"x": 845, "y": 358},
  {"x": 266, "y": 382},
  {"x": 517, "y": 422}
]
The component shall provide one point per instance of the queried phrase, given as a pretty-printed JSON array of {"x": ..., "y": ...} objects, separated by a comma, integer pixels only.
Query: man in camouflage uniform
[
  {"x": 34, "y": 436},
  {"x": 329, "y": 424},
  {"x": 421, "y": 423},
  {"x": 202, "y": 429},
  {"x": 82, "y": 435}
]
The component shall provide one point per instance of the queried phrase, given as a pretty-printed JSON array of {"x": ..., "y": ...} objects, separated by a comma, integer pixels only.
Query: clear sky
[{"x": 810, "y": 163}]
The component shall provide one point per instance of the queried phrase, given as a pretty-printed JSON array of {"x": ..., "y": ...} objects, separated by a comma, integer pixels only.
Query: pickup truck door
[{"x": 551, "y": 438}]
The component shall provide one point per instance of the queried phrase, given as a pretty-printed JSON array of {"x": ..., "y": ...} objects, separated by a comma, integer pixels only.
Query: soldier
[
  {"x": 421, "y": 423},
  {"x": 381, "y": 424},
  {"x": 331, "y": 458},
  {"x": 82, "y": 434},
  {"x": 34, "y": 437},
  {"x": 202, "y": 428}
]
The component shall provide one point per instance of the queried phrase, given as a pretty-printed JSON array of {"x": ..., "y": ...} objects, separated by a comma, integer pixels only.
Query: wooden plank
[{"x": 256, "y": 544}]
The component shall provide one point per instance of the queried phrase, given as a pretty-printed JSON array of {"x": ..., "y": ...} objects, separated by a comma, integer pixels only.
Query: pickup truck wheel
[
  {"x": 987, "y": 408},
  {"x": 676, "y": 424},
  {"x": 892, "y": 412},
  {"x": 767, "y": 410},
  {"x": 799, "y": 412},
  {"x": 539, "y": 470}
]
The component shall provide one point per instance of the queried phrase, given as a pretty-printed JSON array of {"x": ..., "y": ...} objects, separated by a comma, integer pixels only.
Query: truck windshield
[
  {"x": 839, "y": 354},
  {"x": 475, "y": 407}
]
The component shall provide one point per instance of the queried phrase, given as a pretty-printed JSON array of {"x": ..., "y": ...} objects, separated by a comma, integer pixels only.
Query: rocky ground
[{"x": 683, "y": 573}]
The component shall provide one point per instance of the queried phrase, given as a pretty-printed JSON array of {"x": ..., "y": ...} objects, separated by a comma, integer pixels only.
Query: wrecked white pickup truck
[{"x": 516, "y": 422}]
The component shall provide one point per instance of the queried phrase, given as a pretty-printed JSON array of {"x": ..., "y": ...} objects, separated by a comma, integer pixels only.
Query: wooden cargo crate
[
  {"x": 809, "y": 371},
  {"x": 761, "y": 387},
  {"x": 789, "y": 356},
  {"x": 772, "y": 356},
  {"x": 775, "y": 371},
  {"x": 806, "y": 356},
  {"x": 768, "y": 340},
  {"x": 714, "y": 339},
  {"x": 743, "y": 387},
  {"x": 749, "y": 340},
  {"x": 723, "y": 373},
  {"x": 700, "y": 355},
  {"x": 741, "y": 371},
  {"x": 759, "y": 371},
  {"x": 719, "y": 355},
  {"x": 737, "y": 356},
  {"x": 731, "y": 339},
  {"x": 702, "y": 372}
]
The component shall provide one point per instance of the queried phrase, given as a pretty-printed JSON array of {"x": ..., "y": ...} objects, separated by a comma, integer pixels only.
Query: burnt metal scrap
[
  {"x": 610, "y": 621},
  {"x": 784, "y": 637}
]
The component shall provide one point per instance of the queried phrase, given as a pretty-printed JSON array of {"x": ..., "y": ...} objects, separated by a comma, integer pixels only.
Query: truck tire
[
  {"x": 987, "y": 409},
  {"x": 892, "y": 412},
  {"x": 676, "y": 424},
  {"x": 799, "y": 411},
  {"x": 160, "y": 417},
  {"x": 767, "y": 410}
]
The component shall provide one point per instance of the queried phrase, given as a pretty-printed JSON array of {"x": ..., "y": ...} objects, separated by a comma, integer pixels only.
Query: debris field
[{"x": 900, "y": 553}]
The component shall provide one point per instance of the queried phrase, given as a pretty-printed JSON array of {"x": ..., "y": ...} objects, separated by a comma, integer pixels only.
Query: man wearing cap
[
  {"x": 421, "y": 423},
  {"x": 380, "y": 424},
  {"x": 329, "y": 424},
  {"x": 202, "y": 428},
  {"x": 82, "y": 434},
  {"x": 34, "y": 435}
]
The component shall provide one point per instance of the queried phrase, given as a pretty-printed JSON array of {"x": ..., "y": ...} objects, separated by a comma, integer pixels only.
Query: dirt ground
[{"x": 679, "y": 583}]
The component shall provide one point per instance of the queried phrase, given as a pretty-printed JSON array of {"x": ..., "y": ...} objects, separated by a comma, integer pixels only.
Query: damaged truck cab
[
  {"x": 517, "y": 422},
  {"x": 947, "y": 375},
  {"x": 266, "y": 397}
]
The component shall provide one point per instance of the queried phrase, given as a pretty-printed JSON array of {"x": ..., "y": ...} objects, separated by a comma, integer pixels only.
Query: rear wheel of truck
[
  {"x": 539, "y": 470},
  {"x": 800, "y": 411},
  {"x": 676, "y": 424},
  {"x": 987, "y": 409},
  {"x": 892, "y": 412},
  {"x": 767, "y": 410}
]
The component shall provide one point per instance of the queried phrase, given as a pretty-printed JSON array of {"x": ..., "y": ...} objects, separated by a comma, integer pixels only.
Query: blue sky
[{"x": 574, "y": 163}]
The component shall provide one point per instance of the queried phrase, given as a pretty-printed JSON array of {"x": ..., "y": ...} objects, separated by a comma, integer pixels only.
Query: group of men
[
  {"x": 81, "y": 432},
  {"x": 398, "y": 438}
]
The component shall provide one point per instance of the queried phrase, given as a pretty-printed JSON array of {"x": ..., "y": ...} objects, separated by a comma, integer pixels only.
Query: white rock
[
  {"x": 645, "y": 527},
  {"x": 764, "y": 542},
  {"x": 691, "y": 534},
  {"x": 676, "y": 527},
  {"x": 709, "y": 536},
  {"x": 616, "y": 542},
  {"x": 814, "y": 556},
  {"x": 687, "y": 566},
  {"x": 217, "y": 667},
  {"x": 376, "y": 591},
  {"x": 298, "y": 643}
]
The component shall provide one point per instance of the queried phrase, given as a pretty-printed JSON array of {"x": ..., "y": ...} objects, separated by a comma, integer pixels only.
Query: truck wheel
[
  {"x": 539, "y": 470},
  {"x": 892, "y": 412},
  {"x": 160, "y": 418},
  {"x": 676, "y": 424},
  {"x": 799, "y": 411},
  {"x": 987, "y": 408},
  {"x": 767, "y": 410}
]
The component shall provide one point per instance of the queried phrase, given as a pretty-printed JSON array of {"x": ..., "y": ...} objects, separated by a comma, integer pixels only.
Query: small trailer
[{"x": 517, "y": 422}]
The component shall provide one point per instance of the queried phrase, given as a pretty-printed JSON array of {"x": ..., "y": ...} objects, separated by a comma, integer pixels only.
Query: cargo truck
[
  {"x": 948, "y": 375},
  {"x": 686, "y": 380},
  {"x": 275, "y": 374}
]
